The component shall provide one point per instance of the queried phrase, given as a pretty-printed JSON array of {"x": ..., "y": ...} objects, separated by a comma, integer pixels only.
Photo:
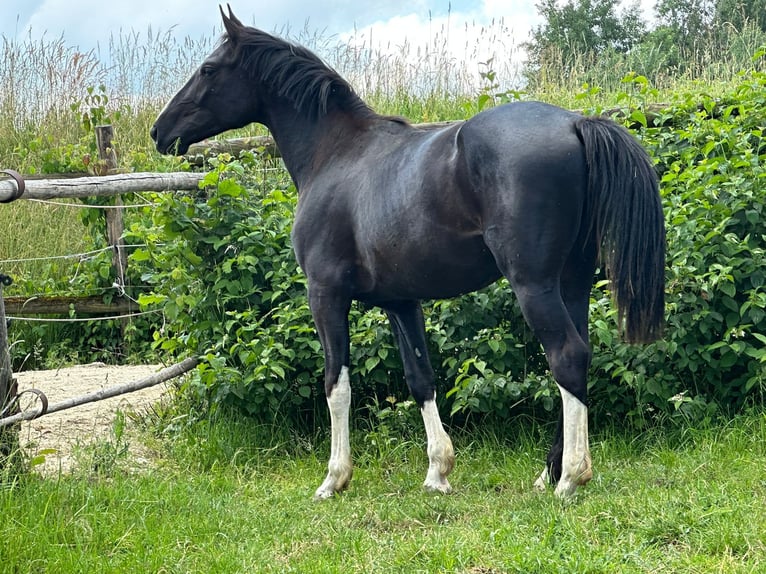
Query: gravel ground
[{"x": 63, "y": 431}]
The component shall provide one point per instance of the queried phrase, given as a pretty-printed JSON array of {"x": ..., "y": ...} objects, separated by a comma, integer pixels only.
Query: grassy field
[{"x": 229, "y": 498}]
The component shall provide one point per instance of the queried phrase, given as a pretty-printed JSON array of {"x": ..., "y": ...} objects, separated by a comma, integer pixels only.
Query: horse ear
[{"x": 231, "y": 23}]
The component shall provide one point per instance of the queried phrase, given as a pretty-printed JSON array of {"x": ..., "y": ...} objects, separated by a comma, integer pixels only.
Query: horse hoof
[
  {"x": 565, "y": 489},
  {"x": 440, "y": 487},
  {"x": 323, "y": 494},
  {"x": 542, "y": 482},
  {"x": 329, "y": 488}
]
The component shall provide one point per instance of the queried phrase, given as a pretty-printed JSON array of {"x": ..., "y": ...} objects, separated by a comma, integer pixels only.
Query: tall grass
[
  {"x": 41, "y": 80},
  {"x": 433, "y": 79},
  {"x": 45, "y": 83},
  {"x": 707, "y": 66}
]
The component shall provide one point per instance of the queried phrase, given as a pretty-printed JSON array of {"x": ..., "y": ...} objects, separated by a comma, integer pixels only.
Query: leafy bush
[
  {"x": 232, "y": 293},
  {"x": 713, "y": 171}
]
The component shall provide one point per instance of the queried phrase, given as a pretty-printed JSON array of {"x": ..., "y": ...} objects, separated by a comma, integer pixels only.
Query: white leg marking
[
  {"x": 339, "y": 468},
  {"x": 575, "y": 463},
  {"x": 543, "y": 480},
  {"x": 441, "y": 455}
]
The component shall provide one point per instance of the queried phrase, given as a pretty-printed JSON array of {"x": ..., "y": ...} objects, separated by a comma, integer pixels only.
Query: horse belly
[{"x": 430, "y": 270}]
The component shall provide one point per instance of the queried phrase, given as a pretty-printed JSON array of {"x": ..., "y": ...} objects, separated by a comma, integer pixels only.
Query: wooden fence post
[
  {"x": 115, "y": 225},
  {"x": 8, "y": 437},
  {"x": 114, "y": 222},
  {"x": 6, "y": 374}
]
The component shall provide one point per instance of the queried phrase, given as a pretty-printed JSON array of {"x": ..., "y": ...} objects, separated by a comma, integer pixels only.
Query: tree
[
  {"x": 581, "y": 27},
  {"x": 689, "y": 28},
  {"x": 740, "y": 13},
  {"x": 685, "y": 23}
]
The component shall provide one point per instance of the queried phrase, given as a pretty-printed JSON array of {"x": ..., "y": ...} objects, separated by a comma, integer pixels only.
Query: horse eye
[{"x": 207, "y": 71}]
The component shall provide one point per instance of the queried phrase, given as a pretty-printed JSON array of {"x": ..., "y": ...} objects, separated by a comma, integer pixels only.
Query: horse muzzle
[{"x": 168, "y": 146}]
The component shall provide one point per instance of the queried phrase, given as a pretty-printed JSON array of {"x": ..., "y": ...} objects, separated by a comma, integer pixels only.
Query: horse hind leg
[
  {"x": 575, "y": 291},
  {"x": 568, "y": 356},
  {"x": 576, "y": 467},
  {"x": 408, "y": 326}
]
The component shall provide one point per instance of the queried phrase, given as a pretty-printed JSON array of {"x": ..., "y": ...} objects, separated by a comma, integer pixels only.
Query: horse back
[
  {"x": 406, "y": 211},
  {"x": 523, "y": 144}
]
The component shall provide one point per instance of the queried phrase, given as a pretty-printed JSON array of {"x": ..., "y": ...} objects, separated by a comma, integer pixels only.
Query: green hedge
[
  {"x": 712, "y": 164},
  {"x": 232, "y": 294}
]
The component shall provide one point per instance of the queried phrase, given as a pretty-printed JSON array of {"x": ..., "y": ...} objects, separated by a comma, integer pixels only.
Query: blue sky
[{"x": 86, "y": 23}]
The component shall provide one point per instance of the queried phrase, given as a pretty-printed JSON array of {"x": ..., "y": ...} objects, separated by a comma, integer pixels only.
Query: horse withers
[{"x": 391, "y": 214}]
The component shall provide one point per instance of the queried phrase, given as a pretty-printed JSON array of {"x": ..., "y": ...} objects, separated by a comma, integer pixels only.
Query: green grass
[
  {"x": 681, "y": 501},
  {"x": 27, "y": 227}
]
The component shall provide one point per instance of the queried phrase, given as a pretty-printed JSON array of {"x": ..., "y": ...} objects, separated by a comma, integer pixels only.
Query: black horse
[{"x": 391, "y": 214}]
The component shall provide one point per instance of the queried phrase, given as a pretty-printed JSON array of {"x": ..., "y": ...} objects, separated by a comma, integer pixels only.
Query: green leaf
[
  {"x": 278, "y": 370},
  {"x": 639, "y": 117},
  {"x": 371, "y": 362}
]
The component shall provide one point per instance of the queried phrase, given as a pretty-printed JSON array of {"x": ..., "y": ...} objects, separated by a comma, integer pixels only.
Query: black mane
[{"x": 297, "y": 74}]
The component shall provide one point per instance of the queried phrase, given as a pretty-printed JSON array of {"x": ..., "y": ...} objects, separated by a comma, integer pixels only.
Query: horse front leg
[
  {"x": 340, "y": 466},
  {"x": 330, "y": 313},
  {"x": 441, "y": 454},
  {"x": 408, "y": 326}
]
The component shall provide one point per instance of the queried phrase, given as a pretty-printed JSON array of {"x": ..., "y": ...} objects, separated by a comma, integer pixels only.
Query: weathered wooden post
[
  {"x": 115, "y": 225},
  {"x": 9, "y": 439},
  {"x": 114, "y": 221}
]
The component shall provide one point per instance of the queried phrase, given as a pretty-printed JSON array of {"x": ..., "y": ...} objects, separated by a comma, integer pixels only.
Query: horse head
[{"x": 216, "y": 98}]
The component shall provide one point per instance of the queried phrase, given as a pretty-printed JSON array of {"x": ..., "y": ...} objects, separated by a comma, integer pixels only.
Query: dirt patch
[{"x": 63, "y": 431}]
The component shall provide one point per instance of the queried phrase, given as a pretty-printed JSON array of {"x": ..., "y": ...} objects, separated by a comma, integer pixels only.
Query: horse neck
[{"x": 302, "y": 138}]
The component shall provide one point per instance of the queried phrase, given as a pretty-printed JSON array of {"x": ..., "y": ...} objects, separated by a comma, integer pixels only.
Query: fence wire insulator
[
  {"x": 20, "y": 185},
  {"x": 13, "y": 405}
]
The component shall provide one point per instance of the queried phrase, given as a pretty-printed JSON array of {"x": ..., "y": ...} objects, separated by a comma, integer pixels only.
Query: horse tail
[{"x": 625, "y": 213}]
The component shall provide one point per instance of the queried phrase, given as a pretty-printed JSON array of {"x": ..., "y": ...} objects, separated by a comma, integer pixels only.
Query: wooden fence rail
[
  {"x": 164, "y": 375},
  {"x": 61, "y": 305},
  {"x": 100, "y": 186}
]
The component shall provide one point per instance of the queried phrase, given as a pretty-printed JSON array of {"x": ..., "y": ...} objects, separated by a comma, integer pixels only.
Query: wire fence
[
  {"x": 82, "y": 319},
  {"x": 86, "y": 206},
  {"x": 117, "y": 286},
  {"x": 80, "y": 256}
]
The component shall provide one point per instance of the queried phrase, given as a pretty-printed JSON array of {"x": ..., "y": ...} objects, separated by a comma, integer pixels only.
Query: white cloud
[
  {"x": 495, "y": 29},
  {"x": 90, "y": 22},
  {"x": 469, "y": 31}
]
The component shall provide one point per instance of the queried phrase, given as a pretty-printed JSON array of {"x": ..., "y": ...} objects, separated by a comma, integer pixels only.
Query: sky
[
  {"x": 88, "y": 23},
  {"x": 387, "y": 25}
]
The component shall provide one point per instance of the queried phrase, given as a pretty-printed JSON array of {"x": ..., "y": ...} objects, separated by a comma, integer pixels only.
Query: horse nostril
[{"x": 153, "y": 133}]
